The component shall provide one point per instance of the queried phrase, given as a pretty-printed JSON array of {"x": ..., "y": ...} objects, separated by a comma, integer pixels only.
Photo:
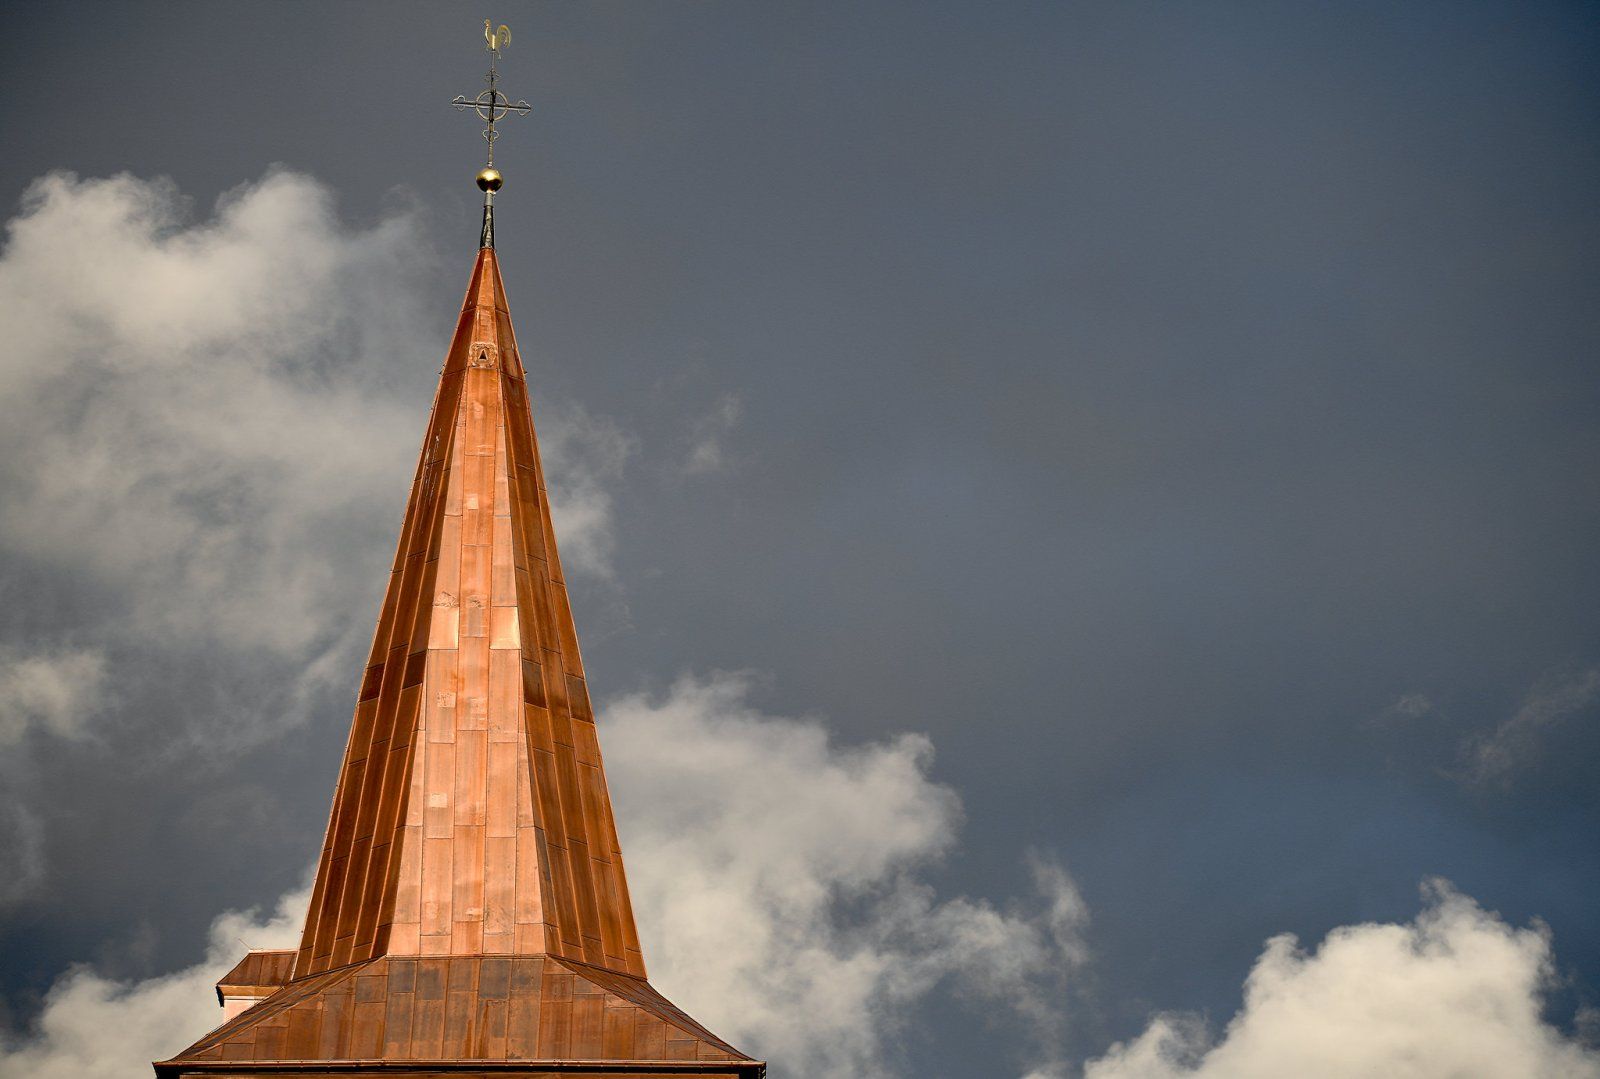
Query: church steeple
[
  {"x": 470, "y": 906},
  {"x": 488, "y": 830}
]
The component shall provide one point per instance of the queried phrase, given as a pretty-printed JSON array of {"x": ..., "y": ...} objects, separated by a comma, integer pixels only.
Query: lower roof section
[
  {"x": 459, "y": 1016},
  {"x": 462, "y": 1069}
]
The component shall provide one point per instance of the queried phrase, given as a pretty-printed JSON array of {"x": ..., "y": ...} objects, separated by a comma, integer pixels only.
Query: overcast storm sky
[{"x": 1058, "y": 497}]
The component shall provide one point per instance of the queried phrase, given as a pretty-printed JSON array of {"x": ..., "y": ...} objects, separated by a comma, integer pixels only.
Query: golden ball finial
[{"x": 490, "y": 180}]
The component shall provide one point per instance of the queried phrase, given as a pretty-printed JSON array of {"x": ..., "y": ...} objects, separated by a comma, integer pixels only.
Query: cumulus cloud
[
  {"x": 207, "y": 426},
  {"x": 1455, "y": 994},
  {"x": 182, "y": 403},
  {"x": 204, "y": 442},
  {"x": 1493, "y": 759},
  {"x": 93, "y": 1027},
  {"x": 55, "y": 690},
  {"x": 777, "y": 882}
]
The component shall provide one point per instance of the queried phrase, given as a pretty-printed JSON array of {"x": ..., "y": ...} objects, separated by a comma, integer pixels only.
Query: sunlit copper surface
[
  {"x": 467, "y": 1008},
  {"x": 470, "y": 904},
  {"x": 471, "y": 816}
]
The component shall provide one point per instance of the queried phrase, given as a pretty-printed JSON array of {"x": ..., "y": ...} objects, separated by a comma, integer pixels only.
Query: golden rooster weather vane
[{"x": 491, "y": 105}]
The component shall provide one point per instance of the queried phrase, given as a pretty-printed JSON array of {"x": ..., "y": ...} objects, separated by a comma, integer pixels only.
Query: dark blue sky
[{"x": 1186, "y": 415}]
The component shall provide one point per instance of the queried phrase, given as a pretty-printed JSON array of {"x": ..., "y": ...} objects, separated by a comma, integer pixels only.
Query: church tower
[{"x": 470, "y": 915}]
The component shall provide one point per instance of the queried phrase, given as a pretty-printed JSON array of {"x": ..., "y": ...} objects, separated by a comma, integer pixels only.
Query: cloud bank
[
  {"x": 748, "y": 926},
  {"x": 1455, "y": 994},
  {"x": 778, "y": 882},
  {"x": 93, "y": 1027},
  {"x": 781, "y": 884}
]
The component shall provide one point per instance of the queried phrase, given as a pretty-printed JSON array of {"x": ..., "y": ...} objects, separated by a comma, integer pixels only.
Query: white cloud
[
  {"x": 776, "y": 881},
  {"x": 55, "y": 690},
  {"x": 1456, "y": 994},
  {"x": 206, "y": 433},
  {"x": 707, "y": 438},
  {"x": 230, "y": 391},
  {"x": 202, "y": 431},
  {"x": 1494, "y": 758},
  {"x": 181, "y": 404},
  {"x": 1408, "y": 706},
  {"x": 93, "y": 1027},
  {"x": 586, "y": 455}
]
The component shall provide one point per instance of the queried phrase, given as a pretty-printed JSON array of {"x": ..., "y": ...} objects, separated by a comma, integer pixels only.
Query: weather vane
[{"x": 491, "y": 105}]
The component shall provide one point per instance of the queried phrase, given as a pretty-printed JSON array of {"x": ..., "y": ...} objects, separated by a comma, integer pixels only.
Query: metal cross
[{"x": 491, "y": 104}]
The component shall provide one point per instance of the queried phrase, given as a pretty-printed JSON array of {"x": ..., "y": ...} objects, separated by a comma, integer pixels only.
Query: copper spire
[
  {"x": 470, "y": 906},
  {"x": 489, "y": 831}
]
